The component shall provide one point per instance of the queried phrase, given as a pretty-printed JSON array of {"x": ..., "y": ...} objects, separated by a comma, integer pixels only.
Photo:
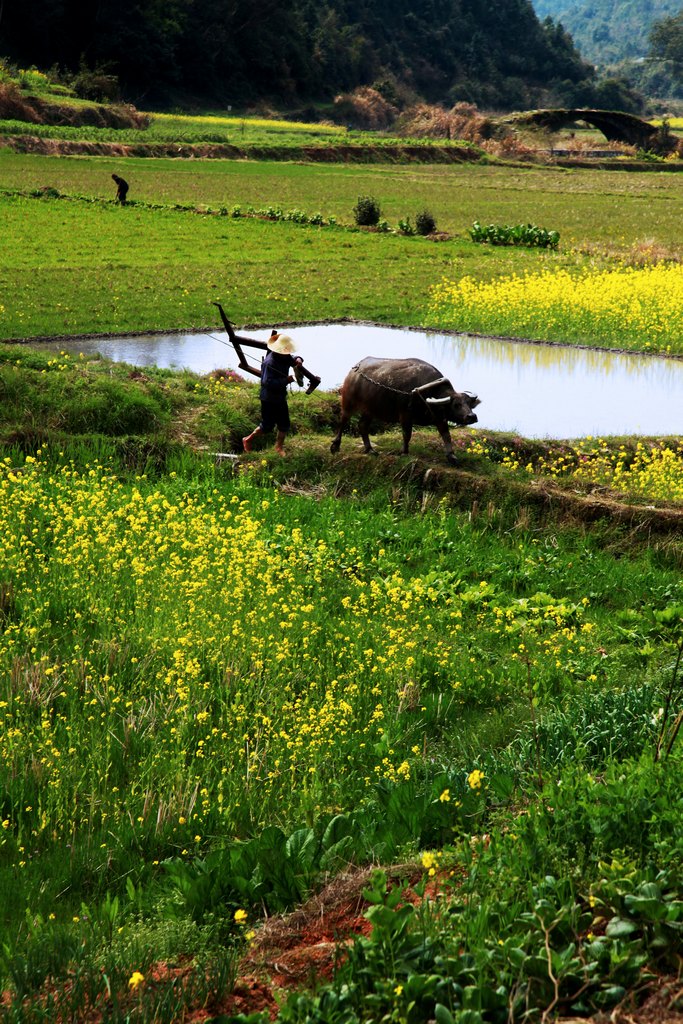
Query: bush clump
[
  {"x": 425, "y": 223},
  {"x": 97, "y": 84},
  {"x": 367, "y": 211}
]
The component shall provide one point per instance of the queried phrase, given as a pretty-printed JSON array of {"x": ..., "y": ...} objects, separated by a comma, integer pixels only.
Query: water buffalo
[{"x": 405, "y": 391}]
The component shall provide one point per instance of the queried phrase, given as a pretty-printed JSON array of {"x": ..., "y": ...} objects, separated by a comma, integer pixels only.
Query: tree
[
  {"x": 666, "y": 42},
  {"x": 240, "y": 51}
]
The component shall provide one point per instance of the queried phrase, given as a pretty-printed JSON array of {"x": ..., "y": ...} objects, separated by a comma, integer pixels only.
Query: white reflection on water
[{"x": 535, "y": 390}]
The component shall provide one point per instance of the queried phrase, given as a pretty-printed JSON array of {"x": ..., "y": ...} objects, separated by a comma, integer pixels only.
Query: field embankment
[
  {"x": 368, "y": 153},
  {"x": 330, "y": 154}
]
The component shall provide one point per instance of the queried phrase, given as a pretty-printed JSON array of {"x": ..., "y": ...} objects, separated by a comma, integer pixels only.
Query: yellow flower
[
  {"x": 240, "y": 916},
  {"x": 475, "y": 779},
  {"x": 136, "y": 979},
  {"x": 620, "y": 304},
  {"x": 445, "y": 796}
]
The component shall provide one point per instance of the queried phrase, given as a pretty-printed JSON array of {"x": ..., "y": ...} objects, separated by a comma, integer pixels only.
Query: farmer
[
  {"x": 278, "y": 369},
  {"x": 121, "y": 189},
  {"x": 275, "y": 376}
]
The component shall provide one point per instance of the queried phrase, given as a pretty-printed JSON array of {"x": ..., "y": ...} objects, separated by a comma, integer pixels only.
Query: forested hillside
[
  {"x": 240, "y": 51},
  {"x": 606, "y": 31}
]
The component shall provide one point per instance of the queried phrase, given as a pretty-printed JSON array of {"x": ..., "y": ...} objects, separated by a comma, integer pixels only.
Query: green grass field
[
  {"x": 87, "y": 267},
  {"x": 610, "y": 207}
]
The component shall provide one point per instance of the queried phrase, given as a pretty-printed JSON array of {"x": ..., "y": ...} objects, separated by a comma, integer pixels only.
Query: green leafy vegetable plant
[{"x": 528, "y": 235}]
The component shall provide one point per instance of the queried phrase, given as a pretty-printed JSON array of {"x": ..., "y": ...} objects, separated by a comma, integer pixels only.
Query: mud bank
[
  {"x": 397, "y": 154},
  {"x": 223, "y": 151}
]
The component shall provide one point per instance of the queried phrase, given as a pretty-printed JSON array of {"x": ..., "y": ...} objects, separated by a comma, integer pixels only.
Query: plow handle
[
  {"x": 238, "y": 342},
  {"x": 300, "y": 371}
]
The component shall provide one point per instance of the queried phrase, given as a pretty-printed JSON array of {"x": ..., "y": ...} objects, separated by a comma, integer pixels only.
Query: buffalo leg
[
  {"x": 447, "y": 442},
  {"x": 364, "y": 431},
  {"x": 343, "y": 424},
  {"x": 407, "y": 428}
]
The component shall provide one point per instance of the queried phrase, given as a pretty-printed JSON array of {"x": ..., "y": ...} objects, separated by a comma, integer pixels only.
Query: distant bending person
[{"x": 121, "y": 189}]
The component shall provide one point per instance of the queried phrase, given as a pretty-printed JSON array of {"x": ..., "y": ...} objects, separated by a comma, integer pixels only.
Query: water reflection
[{"x": 535, "y": 390}]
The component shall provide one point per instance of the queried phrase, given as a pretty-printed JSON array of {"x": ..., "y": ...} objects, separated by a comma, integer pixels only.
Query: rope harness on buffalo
[{"x": 408, "y": 394}]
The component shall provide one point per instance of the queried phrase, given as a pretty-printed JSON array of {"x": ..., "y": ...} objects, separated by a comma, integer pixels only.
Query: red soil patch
[
  {"x": 301, "y": 949},
  {"x": 248, "y": 996}
]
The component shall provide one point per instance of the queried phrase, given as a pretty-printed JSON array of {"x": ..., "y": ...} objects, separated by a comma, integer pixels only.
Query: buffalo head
[{"x": 453, "y": 406}]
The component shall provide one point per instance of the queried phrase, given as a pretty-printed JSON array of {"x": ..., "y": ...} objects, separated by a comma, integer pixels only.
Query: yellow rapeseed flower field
[
  {"x": 653, "y": 471},
  {"x": 627, "y": 307},
  {"x": 186, "y": 663},
  {"x": 226, "y": 121}
]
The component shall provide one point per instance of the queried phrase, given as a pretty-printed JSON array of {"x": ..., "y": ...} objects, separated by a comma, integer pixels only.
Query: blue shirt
[{"x": 275, "y": 370}]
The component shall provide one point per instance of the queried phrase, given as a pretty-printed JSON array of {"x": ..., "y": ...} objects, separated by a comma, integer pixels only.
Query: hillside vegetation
[
  {"x": 606, "y": 31},
  {"x": 637, "y": 44},
  {"x": 296, "y": 53}
]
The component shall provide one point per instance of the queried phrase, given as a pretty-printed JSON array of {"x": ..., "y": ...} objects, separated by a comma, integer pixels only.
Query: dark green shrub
[
  {"x": 425, "y": 224},
  {"x": 367, "y": 211},
  {"x": 97, "y": 84}
]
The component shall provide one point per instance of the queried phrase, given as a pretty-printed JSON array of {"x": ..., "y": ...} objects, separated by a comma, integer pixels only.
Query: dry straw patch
[
  {"x": 644, "y": 252},
  {"x": 466, "y": 123},
  {"x": 463, "y": 121},
  {"x": 364, "y": 108}
]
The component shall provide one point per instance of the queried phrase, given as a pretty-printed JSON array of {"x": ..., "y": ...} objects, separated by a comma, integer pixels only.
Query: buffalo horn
[
  {"x": 431, "y": 384},
  {"x": 437, "y": 401}
]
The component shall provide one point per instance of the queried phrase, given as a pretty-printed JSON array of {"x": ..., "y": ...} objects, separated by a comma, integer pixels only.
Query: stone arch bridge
[{"x": 614, "y": 125}]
